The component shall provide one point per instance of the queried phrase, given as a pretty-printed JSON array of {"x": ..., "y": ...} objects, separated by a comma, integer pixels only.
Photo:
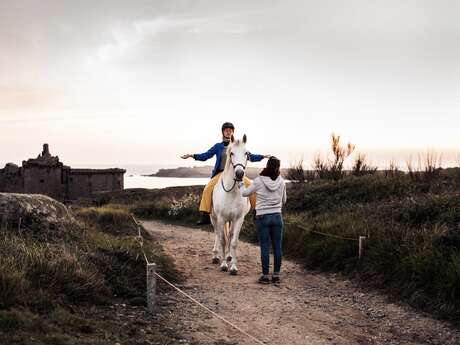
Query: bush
[
  {"x": 428, "y": 167},
  {"x": 185, "y": 206},
  {"x": 296, "y": 173},
  {"x": 361, "y": 167},
  {"x": 184, "y": 209}
]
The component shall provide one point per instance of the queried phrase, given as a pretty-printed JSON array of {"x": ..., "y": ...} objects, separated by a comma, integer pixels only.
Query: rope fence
[
  {"x": 152, "y": 274},
  {"x": 361, "y": 239}
]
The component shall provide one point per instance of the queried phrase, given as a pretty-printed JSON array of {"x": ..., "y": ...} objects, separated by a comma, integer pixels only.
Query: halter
[{"x": 234, "y": 179}]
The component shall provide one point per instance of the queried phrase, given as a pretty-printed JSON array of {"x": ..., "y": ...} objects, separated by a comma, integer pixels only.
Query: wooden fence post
[{"x": 151, "y": 287}]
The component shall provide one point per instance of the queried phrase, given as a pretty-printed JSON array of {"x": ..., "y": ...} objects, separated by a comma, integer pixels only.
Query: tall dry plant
[
  {"x": 333, "y": 168},
  {"x": 432, "y": 165},
  {"x": 361, "y": 167},
  {"x": 341, "y": 153},
  {"x": 321, "y": 167},
  {"x": 392, "y": 170},
  {"x": 428, "y": 167},
  {"x": 414, "y": 172},
  {"x": 296, "y": 173}
]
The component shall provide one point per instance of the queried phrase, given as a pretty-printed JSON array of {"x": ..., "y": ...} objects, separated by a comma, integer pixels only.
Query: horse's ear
[
  {"x": 233, "y": 138},
  {"x": 245, "y": 138}
]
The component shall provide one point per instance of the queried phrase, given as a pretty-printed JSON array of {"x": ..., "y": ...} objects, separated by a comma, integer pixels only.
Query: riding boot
[{"x": 204, "y": 220}]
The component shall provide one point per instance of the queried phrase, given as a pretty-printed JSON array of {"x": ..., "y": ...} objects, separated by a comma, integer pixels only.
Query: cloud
[{"x": 357, "y": 66}]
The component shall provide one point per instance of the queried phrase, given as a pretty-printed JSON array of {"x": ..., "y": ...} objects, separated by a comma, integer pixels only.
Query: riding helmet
[{"x": 227, "y": 125}]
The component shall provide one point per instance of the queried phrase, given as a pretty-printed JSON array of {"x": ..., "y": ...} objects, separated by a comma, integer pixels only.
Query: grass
[
  {"x": 112, "y": 219},
  {"x": 49, "y": 276}
]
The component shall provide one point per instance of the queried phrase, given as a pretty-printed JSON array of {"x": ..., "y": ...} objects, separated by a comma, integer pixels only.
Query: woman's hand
[
  {"x": 267, "y": 156},
  {"x": 186, "y": 156}
]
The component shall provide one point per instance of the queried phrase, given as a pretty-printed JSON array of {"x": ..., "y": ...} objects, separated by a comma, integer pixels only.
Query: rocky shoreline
[{"x": 197, "y": 172}]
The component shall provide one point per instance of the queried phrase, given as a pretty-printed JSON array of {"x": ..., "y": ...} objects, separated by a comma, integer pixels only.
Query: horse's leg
[
  {"x": 221, "y": 244},
  {"x": 215, "y": 249},
  {"x": 228, "y": 238},
  {"x": 236, "y": 228}
]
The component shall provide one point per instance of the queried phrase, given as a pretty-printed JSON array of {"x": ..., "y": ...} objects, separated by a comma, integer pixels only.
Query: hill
[{"x": 74, "y": 276}]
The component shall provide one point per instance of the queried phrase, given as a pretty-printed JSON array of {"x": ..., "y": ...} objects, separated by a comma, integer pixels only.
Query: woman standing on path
[{"x": 270, "y": 190}]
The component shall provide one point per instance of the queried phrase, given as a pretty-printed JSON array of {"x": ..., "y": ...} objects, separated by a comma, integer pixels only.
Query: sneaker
[
  {"x": 204, "y": 220},
  {"x": 264, "y": 280},
  {"x": 276, "y": 278}
]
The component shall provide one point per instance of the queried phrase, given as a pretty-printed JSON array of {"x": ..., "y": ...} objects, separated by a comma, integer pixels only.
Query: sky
[{"x": 142, "y": 82}]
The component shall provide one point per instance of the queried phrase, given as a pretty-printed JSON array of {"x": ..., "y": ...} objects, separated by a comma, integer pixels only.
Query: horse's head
[{"x": 237, "y": 156}]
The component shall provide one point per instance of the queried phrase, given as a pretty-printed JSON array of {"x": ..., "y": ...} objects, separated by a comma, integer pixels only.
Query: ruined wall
[
  {"x": 11, "y": 179},
  {"x": 47, "y": 175},
  {"x": 45, "y": 180},
  {"x": 83, "y": 182}
]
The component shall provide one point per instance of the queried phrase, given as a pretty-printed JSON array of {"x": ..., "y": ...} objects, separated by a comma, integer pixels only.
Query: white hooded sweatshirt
[{"x": 270, "y": 195}]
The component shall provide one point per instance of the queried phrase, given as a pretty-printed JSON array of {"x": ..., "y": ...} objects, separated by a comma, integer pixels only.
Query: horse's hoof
[
  {"x": 229, "y": 258},
  {"x": 224, "y": 268},
  {"x": 215, "y": 261},
  {"x": 233, "y": 272}
]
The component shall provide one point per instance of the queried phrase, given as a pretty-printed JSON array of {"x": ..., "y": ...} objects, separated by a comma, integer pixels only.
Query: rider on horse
[{"x": 219, "y": 151}]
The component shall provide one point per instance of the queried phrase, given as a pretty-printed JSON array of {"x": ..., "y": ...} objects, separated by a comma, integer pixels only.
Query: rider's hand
[
  {"x": 267, "y": 156},
  {"x": 186, "y": 156}
]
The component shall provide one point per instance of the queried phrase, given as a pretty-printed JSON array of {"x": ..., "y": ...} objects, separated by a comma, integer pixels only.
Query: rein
[{"x": 228, "y": 191}]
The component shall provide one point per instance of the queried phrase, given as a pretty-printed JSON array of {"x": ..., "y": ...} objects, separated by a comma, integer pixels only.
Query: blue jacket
[{"x": 217, "y": 150}]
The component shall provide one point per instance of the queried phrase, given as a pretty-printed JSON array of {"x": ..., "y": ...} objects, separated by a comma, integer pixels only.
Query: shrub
[
  {"x": 185, "y": 206},
  {"x": 361, "y": 167},
  {"x": 295, "y": 173},
  {"x": 428, "y": 167},
  {"x": 392, "y": 170}
]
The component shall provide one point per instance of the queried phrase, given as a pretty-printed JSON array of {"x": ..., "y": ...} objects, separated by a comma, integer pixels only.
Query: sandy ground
[{"x": 307, "y": 307}]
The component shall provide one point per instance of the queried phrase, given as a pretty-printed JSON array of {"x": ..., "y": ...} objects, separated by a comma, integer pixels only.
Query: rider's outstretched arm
[
  {"x": 255, "y": 157},
  {"x": 205, "y": 155}
]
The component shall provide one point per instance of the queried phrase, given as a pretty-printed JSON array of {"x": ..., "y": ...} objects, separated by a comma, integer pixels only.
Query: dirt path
[{"x": 307, "y": 308}]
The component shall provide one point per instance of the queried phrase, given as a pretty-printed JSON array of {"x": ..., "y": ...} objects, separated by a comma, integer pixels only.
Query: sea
[{"x": 135, "y": 176}]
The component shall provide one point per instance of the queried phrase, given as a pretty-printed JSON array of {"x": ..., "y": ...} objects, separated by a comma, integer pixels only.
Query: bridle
[{"x": 234, "y": 179}]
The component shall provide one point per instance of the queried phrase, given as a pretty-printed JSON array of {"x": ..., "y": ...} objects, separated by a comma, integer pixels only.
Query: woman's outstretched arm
[{"x": 245, "y": 192}]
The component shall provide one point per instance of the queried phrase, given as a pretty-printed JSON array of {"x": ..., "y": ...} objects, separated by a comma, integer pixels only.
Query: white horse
[{"x": 229, "y": 207}]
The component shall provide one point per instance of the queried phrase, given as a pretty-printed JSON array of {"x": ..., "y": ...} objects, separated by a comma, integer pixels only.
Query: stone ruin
[{"x": 47, "y": 175}]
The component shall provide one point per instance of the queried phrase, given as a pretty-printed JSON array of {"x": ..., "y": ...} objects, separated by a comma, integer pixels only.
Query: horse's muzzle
[{"x": 239, "y": 174}]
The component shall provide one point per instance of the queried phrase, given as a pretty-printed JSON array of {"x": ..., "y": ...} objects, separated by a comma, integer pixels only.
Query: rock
[{"x": 33, "y": 211}]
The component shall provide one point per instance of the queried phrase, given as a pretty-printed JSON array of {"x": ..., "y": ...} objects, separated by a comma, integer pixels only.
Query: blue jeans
[{"x": 270, "y": 227}]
